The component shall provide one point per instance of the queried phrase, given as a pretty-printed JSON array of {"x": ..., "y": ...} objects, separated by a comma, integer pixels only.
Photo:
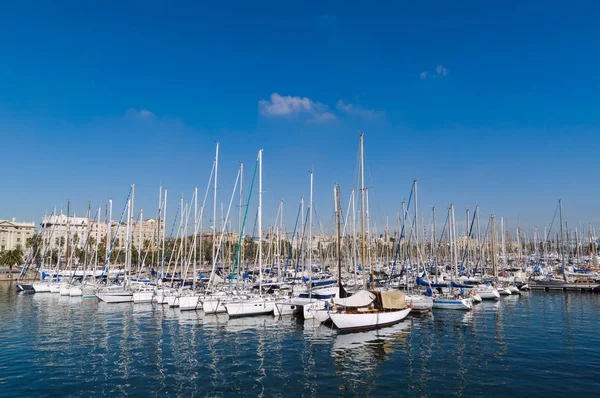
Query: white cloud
[
  {"x": 288, "y": 106},
  {"x": 440, "y": 71},
  {"x": 140, "y": 114},
  {"x": 358, "y": 110}
]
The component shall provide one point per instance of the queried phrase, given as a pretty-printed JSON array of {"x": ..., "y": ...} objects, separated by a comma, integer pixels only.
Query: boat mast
[
  {"x": 309, "y": 246},
  {"x": 195, "y": 236},
  {"x": 362, "y": 205},
  {"x": 214, "y": 242},
  {"x": 562, "y": 242},
  {"x": 434, "y": 242},
  {"x": 493, "y": 249},
  {"x": 336, "y": 193},
  {"x": 164, "y": 218},
  {"x": 417, "y": 231},
  {"x": 259, "y": 221}
]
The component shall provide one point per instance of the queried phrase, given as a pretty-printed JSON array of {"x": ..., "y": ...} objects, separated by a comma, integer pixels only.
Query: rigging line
[
  {"x": 240, "y": 238},
  {"x": 402, "y": 230},
  {"x": 105, "y": 269},
  {"x": 287, "y": 261}
]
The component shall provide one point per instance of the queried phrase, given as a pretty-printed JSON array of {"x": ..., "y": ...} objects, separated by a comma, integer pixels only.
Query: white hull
[
  {"x": 55, "y": 288},
  {"x": 504, "y": 291},
  {"x": 309, "y": 310},
  {"x": 285, "y": 308},
  {"x": 513, "y": 289},
  {"x": 488, "y": 294},
  {"x": 450, "y": 304},
  {"x": 189, "y": 303},
  {"x": 41, "y": 287},
  {"x": 321, "y": 315},
  {"x": 143, "y": 297},
  {"x": 420, "y": 303},
  {"x": 65, "y": 291},
  {"x": 113, "y": 298},
  {"x": 475, "y": 296},
  {"x": 215, "y": 306},
  {"x": 173, "y": 301},
  {"x": 250, "y": 307},
  {"x": 75, "y": 291},
  {"x": 161, "y": 297},
  {"x": 355, "y": 322}
]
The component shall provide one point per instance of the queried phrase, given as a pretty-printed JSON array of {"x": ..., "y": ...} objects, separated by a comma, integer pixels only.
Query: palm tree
[{"x": 12, "y": 258}]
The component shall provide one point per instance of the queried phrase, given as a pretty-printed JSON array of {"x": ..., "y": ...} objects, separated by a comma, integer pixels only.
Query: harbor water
[{"x": 536, "y": 344}]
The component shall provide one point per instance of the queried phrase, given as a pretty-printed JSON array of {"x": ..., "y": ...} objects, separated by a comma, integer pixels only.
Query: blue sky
[{"x": 484, "y": 103}]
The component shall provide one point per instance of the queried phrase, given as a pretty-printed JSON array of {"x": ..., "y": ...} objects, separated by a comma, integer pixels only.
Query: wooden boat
[{"x": 367, "y": 310}]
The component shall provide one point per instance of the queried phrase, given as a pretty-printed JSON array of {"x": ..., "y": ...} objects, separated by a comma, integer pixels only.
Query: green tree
[{"x": 13, "y": 257}]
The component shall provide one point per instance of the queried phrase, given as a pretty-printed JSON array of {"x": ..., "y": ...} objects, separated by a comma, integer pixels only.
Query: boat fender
[{"x": 411, "y": 305}]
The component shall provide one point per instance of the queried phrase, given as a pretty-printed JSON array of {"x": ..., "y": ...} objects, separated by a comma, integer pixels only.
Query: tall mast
[
  {"x": 309, "y": 246},
  {"x": 195, "y": 237},
  {"x": 434, "y": 244},
  {"x": 354, "y": 236},
  {"x": 362, "y": 207},
  {"x": 493, "y": 243},
  {"x": 336, "y": 193},
  {"x": 108, "y": 235},
  {"x": 131, "y": 231},
  {"x": 240, "y": 238},
  {"x": 214, "y": 242},
  {"x": 260, "y": 221},
  {"x": 162, "y": 261},
  {"x": 417, "y": 230},
  {"x": 140, "y": 242},
  {"x": 562, "y": 242}
]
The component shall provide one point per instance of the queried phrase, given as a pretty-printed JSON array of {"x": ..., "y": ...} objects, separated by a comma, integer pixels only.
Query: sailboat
[
  {"x": 451, "y": 301},
  {"x": 367, "y": 310},
  {"x": 259, "y": 305},
  {"x": 120, "y": 293}
]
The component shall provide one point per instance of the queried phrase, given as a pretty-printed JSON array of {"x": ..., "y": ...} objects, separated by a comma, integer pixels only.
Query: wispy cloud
[
  {"x": 143, "y": 114},
  {"x": 294, "y": 106},
  {"x": 440, "y": 71},
  {"x": 358, "y": 110}
]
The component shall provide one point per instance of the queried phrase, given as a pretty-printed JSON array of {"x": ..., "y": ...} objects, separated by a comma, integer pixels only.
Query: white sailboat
[
  {"x": 258, "y": 305},
  {"x": 449, "y": 301},
  {"x": 367, "y": 310}
]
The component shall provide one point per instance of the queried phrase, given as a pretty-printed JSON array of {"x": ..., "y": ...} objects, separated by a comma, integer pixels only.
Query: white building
[
  {"x": 13, "y": 234},
  {"x": 60, "y": 227}
]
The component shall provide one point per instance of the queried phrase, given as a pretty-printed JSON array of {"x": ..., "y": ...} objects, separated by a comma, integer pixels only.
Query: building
[
  {"x": 13, "y": 234},
  {"x": 60, "y": 227},
  {"x": 76, "y": 229}
]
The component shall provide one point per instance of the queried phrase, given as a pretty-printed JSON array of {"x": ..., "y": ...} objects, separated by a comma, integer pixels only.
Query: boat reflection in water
[
  {"x": 372, "y": 344},
  {"x": 357, "y": 355}
]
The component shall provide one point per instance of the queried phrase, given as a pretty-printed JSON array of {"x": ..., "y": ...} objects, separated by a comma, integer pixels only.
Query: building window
[{"x": 18, "y": 239}]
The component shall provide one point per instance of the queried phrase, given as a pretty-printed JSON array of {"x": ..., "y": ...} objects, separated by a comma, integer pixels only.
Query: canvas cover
[
  {"x": 393, "y": 300},
  {"x": 362, "y": 298}
]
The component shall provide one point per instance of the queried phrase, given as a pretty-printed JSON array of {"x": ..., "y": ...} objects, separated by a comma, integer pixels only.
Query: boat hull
[
  {"x": 488, "y": 294},
  {"x": 189, "y": 303},
  {"x": 41, "y": 287},
  {"x": 143, "y": 297},
  {"x": 420, "y": 303},
  {"x": 114, "y": 298},
  {"x": 358, "y": 322},
  {"x": 214, "y": 306},
  {"x": 249, "y": 308},
  {"x": 458, "y": 304}
]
